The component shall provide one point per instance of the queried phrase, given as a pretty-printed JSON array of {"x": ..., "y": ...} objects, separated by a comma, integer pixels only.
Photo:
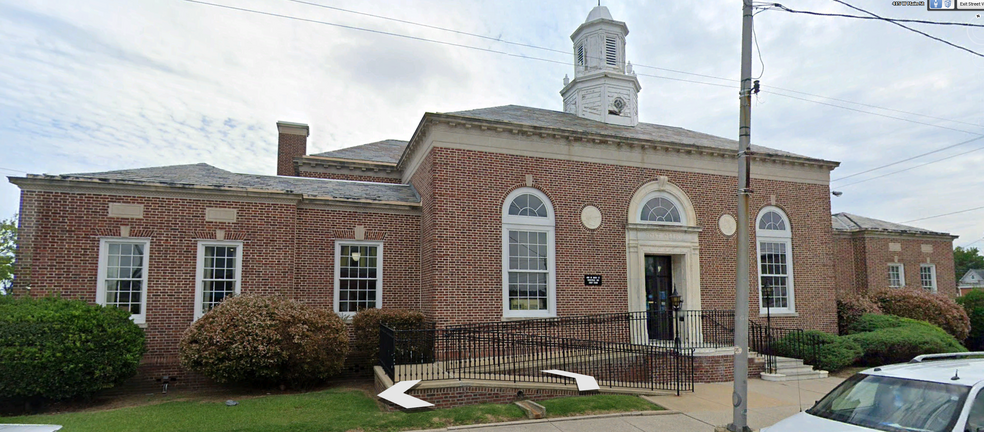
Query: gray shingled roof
[
  {"x": 381, "y": 151},
  {"x": 977, "y": 272},
  {"x": 207, "y": 175},
  {"x": 645, "y": 131},
  {"x": 851, "y": 222}
]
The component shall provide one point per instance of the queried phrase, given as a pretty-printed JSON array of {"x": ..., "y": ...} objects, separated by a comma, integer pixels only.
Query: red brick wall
[
  {"x": 366, "y": 177},
  {"x": 469, "y": 189},
  {"x": 286, "y": 251},
  {"x": 288, "y": 148},
  {"x": 423, "y": 182},
  {"x": 865, "y": 259},
  {"x": 721, "y": 368}
]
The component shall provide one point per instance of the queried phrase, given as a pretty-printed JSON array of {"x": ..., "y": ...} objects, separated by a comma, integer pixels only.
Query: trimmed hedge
[
  {"x": 365, "y": 325},
  {"x": 835, "y": 352},
  {"x": 973, "y": 304},
  {"x": 54, "y": 348},
  {"x": 265, "y": 340},
  {"x": 922, "y": 305},
  {"x": 851, "y": 308},
  {"x": 889, "y": 339}
]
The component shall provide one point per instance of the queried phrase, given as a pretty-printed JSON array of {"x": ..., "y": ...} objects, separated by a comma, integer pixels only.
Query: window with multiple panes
[
  {"x": 611, "y": 51},
  {"x": 775, "y": 264},
  {"x": 123, "y": 276},
  {"x": 927, "y": 276},
  {"x": 528, "y": 255},
  {"x": 218, "y": 275},
  {"x": 358, "y": 276},
  {"x": 896, "y": 275},
  {"x": 660, "y": 209}
]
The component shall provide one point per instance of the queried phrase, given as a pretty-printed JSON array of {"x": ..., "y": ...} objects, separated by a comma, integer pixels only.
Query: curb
[{"x": 552, "y": 420}]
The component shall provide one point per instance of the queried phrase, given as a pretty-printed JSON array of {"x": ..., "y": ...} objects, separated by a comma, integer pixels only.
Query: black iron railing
[
  {"x": 773, "y": 342},
  {"x": 497, "y": 354}
]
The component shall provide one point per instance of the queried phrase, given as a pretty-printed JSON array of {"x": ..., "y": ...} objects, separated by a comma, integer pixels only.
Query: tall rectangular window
[
  {"x": 896, "y": 275},
  {"x": 528, "y": 271},
  {"x": 219, "y": 274},
  {"x": 611, "y": 51},
  {"x": 123, "y": 276},
  {"x": 774, "y": 274},
  {"x": 358, "y": 276},
  {"x": 927, "y": 276}
]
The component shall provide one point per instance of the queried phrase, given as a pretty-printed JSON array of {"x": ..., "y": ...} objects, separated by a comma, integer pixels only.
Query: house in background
[
  {"x": 973, "y": 279},
  {"x": 494, "y": 214},
  {"x": 872, "y": 255}
]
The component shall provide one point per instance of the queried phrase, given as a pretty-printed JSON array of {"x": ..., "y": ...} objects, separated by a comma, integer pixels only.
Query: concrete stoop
[{"x": 790, "y": 369}]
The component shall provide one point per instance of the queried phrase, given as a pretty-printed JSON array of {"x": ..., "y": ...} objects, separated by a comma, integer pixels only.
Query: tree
[
  {"x": 966, "y": 259},
  {"x": 8, "y": 242}
]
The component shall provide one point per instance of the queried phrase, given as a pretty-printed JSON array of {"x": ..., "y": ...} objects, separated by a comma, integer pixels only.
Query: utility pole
[{"x": 740, "y": 396}]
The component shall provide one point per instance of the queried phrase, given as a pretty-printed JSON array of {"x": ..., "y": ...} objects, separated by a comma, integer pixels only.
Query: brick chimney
[{"x": 291, "y": 144}]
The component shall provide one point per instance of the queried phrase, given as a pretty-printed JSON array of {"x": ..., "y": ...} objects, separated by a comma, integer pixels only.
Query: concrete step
[
  {"x": 803, "y": 370},
  {"x": 794, "y": 377}
]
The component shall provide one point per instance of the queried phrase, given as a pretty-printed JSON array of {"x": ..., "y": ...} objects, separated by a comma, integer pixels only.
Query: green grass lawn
[{"x": 331, "y": 410}]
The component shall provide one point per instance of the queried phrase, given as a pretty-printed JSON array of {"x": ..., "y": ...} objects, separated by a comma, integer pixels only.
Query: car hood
[{"x": 804, "y": 422}]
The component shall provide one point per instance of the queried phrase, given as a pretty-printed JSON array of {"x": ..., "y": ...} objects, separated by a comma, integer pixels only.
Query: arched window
[
  {"x": 775, "y": 261},
  {"x": 661, "y": 207},
  {"x": 528, "y": 275}
]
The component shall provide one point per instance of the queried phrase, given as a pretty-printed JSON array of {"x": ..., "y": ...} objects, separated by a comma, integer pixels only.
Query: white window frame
[
  {"x": 775, "y": 236},
  {"x": 200, "y": 271},
  {"x": 932, "y": 269},
  {"x": 667, "y": 196},
  {"x": 535, "y": 224},
  {"x": 338, "y": 272},
  {"x": 140, "y": 318},
  {"x": 901, "y": 268}
]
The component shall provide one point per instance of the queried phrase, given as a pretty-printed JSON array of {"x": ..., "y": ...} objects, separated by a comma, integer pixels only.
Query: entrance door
[{"x": 659, "y": 283}]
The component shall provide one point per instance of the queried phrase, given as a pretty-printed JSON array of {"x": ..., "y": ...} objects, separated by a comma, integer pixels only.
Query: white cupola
[{"x": 604, "y": 87}]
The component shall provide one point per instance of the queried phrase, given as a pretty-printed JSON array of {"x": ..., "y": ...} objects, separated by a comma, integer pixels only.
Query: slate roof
[
  {"x": 210, "y": 176},
  {"x": 645, "y": 131},
  {"x": 381, "y": 151},
  {"x": 852, "y": 222}
]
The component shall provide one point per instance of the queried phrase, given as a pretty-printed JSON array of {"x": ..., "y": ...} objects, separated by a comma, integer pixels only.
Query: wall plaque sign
[{"x": 590, "y": 280}]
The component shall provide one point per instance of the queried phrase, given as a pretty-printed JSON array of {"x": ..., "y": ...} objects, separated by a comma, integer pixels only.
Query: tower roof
[{"x": 599, "y": 12}]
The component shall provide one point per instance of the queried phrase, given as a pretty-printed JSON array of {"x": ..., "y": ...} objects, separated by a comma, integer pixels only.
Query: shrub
[
  {"x": 54, "y": 348},
  {"x": 265, "y": 340},
  {"x": 872, "y": 322},
  {"x": 851, "y": 308},
  {"x": 838, "y": 354},
  {"x": 973, "y": 304},
  {"x": 926, "y": 306},
  {"x": 897, "y": 340},
  {"x": 366, "y": 327},
  {"x": 834, "y": 352}
]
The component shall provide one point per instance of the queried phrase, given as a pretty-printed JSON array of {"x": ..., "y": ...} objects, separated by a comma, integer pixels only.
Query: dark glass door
[{"x": 659, "y": 283}]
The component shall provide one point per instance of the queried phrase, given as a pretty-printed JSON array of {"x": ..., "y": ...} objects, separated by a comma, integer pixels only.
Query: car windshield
[{"x": 893, "y": 404}]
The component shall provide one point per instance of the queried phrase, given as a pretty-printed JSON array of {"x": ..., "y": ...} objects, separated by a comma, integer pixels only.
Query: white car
[{"x": 931, "y": 393}]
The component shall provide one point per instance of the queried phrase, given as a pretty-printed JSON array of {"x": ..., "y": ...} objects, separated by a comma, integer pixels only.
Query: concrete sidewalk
[{"x": 708, "y": 406}]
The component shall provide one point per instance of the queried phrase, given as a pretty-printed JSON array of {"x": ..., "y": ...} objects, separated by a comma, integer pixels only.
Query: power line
[
  {"x": 488, "y": 50},
  {"x": 945, "y": 214},
  {"x": 912, "y": 167},
  {"x": 778, "y": 6},
  {"x": 912, "y": 29},
  {"x": 14, "y": 170},
  {"x": 911, "y": 158},
  {"x": 505, "y": 41}
]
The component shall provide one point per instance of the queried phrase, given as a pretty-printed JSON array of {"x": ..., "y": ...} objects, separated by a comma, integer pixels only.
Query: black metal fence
[
  {"x": 773, "y": 342},
  {"x": 498, "y": 354}
]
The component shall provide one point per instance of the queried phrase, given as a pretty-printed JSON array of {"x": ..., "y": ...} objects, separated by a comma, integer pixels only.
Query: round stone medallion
[
  {"x": 727, "y": 224},
  {"x": 591, "y": 217}
]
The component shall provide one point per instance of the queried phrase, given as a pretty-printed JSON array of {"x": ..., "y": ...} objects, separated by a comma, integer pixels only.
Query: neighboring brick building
[
  {"x": 484, "y": 215},
  {"x": 872, "y": 255}
]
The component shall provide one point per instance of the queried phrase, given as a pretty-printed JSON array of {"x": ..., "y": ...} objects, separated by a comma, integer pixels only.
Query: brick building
[
  {"x": 492, "y": 214},
  {"x": 873, "y": 255}
]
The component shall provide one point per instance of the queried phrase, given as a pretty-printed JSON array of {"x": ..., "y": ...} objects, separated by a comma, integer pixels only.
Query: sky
[{"x": 115, "y": 84}]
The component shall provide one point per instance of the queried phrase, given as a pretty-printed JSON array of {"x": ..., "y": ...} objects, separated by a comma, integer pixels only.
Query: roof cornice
[
  {"x": 48, "y": 183},
  {"x": 875, "y": 233},
  {"x": 572, "y": 135}
]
